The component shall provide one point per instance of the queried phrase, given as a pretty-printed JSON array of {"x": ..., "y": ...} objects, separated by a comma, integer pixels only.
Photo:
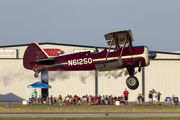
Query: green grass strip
[{"x": 89, "y": 118}]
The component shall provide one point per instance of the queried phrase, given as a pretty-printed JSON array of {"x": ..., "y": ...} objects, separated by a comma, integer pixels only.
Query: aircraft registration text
[{"x": 81, "y": 61}]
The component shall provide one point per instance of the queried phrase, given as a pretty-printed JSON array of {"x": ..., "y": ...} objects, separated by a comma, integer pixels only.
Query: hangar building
[{"x": 162, "y": 75}]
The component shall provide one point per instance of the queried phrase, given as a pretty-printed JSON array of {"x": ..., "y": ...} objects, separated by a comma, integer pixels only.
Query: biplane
[{"x": 122, "y": 55}]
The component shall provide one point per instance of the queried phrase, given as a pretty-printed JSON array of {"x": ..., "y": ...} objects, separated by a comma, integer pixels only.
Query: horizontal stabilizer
[
  {"x": 110, "y": 65},
  {"x": 50, "y": 62},
  {"x": 45, "y": 61}
]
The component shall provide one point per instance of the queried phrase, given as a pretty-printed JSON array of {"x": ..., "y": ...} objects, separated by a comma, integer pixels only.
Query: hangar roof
[
  {"x": 160, "y": 55},
  {"x": 53, "y": 44}
]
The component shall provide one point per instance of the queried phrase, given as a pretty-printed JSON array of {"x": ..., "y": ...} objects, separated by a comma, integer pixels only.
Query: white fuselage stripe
[{"x": 145, "y": 55}]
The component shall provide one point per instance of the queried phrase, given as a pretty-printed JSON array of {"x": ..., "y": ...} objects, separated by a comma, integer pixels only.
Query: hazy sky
[{"x": 154, "y": 23}]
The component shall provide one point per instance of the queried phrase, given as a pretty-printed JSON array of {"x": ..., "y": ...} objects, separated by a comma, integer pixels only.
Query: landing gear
[
  {"x": 132, "y": 82},
  {"x": 36, "y": 74}
]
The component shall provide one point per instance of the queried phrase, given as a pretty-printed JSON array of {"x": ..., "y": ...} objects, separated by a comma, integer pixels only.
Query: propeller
[{"x": 152, "y": 55}]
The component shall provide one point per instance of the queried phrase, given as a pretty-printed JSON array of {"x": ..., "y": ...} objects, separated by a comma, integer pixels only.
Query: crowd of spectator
[
  {"x": 77, "y": 100},
  {"x": 154, "y": 99}
]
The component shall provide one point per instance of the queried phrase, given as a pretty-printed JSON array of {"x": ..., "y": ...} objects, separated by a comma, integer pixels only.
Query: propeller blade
[{"x": 152, "y": 55}]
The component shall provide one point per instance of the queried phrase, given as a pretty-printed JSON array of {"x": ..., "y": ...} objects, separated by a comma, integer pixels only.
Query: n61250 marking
[{"x": 81, "y": 61}]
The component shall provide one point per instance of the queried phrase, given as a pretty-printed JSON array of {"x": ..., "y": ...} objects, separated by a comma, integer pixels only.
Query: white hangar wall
[
  {"x": 14, "y": 80},
  {"x": 161, "y": 75}
]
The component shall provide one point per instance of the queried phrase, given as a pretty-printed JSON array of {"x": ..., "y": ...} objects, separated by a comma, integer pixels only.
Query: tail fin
[{"x": 33, "y": 52}]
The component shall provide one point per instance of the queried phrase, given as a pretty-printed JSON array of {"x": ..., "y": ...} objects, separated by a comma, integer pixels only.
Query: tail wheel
[
  {"x": 132, "y": 82},
  {"x": 36, "y": 75}
]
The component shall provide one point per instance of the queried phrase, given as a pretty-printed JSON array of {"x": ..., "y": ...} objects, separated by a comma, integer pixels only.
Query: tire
[
  {"x": 36, "y": 75},
  {"x": 132, "y": 82}
]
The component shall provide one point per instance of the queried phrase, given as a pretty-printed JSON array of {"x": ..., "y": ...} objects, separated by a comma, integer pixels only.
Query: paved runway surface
[{"x": 94, "y": 115}]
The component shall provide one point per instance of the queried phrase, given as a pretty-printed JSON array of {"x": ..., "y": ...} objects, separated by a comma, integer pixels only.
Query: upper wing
[{"x": 120, "y": 36}]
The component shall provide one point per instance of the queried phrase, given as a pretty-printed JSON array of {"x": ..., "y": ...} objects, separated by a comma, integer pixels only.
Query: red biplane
[{"x": 123, "y": 55}]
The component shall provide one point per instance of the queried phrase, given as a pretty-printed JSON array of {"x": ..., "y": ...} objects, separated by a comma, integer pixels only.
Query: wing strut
[
  {"x": 123, "y": 48},
  {"x": 117, "y": 48},
  {"x": 119, "y": 37},
  {"x": 109, "y": 47}
]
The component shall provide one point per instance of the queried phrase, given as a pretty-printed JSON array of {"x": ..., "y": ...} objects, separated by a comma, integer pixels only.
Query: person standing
[
  {"x": 154, "y": 98},
  {"x": 126, "y": 96},
  {"x": 158, "y": 97},
  {"x": 150, "y": 97},
  {"x": 34, "y": 94},
  {"x": 172, "y": 100}
]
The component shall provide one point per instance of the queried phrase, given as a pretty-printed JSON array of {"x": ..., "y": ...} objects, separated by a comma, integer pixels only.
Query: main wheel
[{"x": 132, "y": 82}]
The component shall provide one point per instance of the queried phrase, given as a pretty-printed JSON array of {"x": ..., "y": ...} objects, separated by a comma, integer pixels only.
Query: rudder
[{"x": 33, "y": 52}]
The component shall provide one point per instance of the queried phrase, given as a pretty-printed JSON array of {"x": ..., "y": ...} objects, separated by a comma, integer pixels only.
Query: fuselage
[{"x": 88, "y": 60}]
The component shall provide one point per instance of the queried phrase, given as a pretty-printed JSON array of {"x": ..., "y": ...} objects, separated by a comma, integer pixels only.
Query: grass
[
  {"x": 89, "y": 118},
  {"x": 88, "y": 109}
]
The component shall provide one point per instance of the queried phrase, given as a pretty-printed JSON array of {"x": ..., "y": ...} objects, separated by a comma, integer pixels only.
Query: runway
[{"x": 93, "y": 115}]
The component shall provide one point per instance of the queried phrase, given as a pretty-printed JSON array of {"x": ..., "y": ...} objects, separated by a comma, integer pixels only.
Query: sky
[{"x": 154, "y": 23}]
